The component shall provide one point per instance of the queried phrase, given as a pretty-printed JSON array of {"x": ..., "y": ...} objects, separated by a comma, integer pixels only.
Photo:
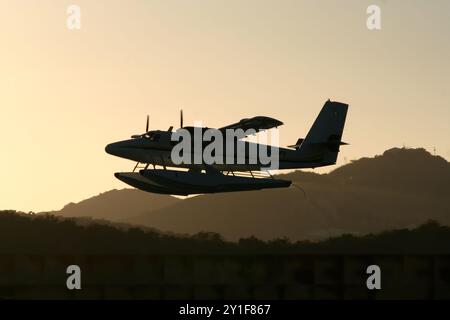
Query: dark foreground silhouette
[
  {"x": 119, "y": 262},
  {"x": 48, "y": 234}
]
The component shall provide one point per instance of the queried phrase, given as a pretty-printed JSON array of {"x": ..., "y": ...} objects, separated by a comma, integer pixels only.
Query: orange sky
[{"x": 66, "y": 94}]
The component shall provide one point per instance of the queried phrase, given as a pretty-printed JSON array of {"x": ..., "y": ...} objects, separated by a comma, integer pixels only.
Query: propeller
[
  {"x": 181, "y": 121},
  {"x": 181, "y": 118},
  {"x": 147, "y": 124}
]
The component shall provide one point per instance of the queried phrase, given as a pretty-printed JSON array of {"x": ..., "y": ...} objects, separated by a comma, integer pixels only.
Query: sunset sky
[{"x": 66, "y": 93}]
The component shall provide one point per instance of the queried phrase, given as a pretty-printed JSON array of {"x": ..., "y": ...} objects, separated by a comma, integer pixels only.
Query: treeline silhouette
[{"x": 22, "y": 233}]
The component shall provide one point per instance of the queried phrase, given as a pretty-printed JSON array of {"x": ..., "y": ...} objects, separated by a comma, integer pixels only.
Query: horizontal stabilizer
[{"x": 297, "y": 144}]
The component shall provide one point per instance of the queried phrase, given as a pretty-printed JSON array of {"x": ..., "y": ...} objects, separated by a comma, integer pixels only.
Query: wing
[{"x": 257, "y": 123}]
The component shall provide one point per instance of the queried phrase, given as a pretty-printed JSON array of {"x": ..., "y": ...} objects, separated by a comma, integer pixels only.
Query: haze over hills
[{"x": 401, "y": 188}]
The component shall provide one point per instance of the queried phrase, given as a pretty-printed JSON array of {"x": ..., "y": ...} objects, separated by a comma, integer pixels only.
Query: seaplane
[{"x": 156, "y": 169}]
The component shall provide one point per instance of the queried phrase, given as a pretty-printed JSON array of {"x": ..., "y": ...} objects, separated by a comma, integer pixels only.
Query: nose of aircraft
[
  {"x": 112, "y": 148},
  {"x": 125, "y": 149}
]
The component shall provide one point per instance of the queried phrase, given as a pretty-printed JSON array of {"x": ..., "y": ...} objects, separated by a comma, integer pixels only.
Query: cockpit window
[{"x": 152, "y": 136}]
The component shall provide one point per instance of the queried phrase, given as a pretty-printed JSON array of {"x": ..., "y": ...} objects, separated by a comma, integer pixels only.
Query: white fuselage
[{"x": 145, "y": 150}]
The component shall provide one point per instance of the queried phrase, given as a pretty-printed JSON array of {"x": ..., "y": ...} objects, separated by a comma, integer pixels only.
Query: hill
[{"x": 117, "y": 205}]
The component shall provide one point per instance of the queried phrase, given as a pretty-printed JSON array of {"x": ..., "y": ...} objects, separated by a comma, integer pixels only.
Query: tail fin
[{"x": 324, "y": 138}]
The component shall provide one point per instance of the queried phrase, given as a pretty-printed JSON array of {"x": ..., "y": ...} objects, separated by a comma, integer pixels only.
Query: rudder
[{"x": 324, "y": 138}]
